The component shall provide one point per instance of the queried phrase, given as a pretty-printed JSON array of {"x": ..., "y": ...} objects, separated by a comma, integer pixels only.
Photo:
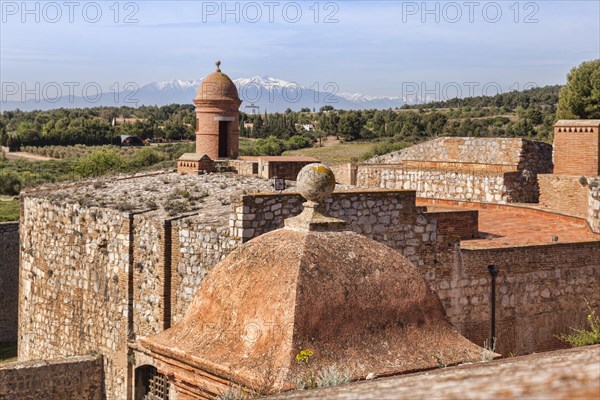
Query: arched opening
[{"x": 150, "y": 384}]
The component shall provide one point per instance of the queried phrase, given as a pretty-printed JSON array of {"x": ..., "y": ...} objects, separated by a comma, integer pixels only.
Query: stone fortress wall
[
  {"x": 387, "y": 216},
  {"x": 473, "y": 150},
  {"x": 96, "y": 276},
  {"x": 75, "y": 286},
  {"x": 500, "y": 170},
  {"x": 565, "y": 194},
  {"x": 93, "y": 278},
  {"x": 9, "y": 281},
  {"x": 79, "y": 377},
  {"x": 541, "y": 293}
]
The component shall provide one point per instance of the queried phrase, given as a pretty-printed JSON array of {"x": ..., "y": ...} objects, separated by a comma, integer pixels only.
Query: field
[
  {"x": 335, "y": 152},
  {"x": 9, "y": 209},
  {"x": 70, "y": 163}
]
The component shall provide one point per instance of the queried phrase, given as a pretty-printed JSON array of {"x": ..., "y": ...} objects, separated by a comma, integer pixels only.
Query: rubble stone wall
[
  {"x": 244, "y": 167},
  {"x": 541, "y": 292},
  {"x": 499, "y": 170},
  {"x": 268, "y": 169},
  {"x": 148, "y": 275},
  {"x": 450, "y": 184},
  {"x": 387, "y": 216},
  {"x": 93, "y": 277},
  {"x": 198, "y": 244},
  {"x": 67, "y": 378},
  {"x": 74, "y": 285},
  {"x": 9, "y": 281},
  {"x": 527, "y": 154},
  {"x": 345, "y": 173}
]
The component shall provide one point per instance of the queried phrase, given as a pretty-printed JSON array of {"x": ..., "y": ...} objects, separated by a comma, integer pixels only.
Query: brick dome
[
  {"x": 217, "y": 86},
  {"x": 354, "y": 302}
]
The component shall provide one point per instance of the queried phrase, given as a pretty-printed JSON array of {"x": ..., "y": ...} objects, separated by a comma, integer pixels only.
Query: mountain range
[{"x": 259, "y": 94}]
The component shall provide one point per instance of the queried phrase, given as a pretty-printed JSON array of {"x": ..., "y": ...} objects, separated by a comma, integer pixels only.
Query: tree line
[
  {"x": 93, "y": 126},
  {"x": 530, "y": 113}
]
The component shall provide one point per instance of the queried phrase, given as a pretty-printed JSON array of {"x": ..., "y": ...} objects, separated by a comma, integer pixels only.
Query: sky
[{"x": 382, "y": 48}]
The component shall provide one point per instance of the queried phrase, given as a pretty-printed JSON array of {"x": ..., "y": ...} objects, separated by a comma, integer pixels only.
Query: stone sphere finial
[
  {"x": 315, "y": 182},
  {"x": 218, "y": 64}
]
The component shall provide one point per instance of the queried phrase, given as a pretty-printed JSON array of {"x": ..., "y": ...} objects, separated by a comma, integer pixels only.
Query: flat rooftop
[
  {"x": 519, "y": 226},
  {"x": 166, "y": 193}
]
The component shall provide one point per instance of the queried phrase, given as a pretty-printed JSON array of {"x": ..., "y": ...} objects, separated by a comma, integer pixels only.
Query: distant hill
[
  {"x": 542, "y": 96},
  {"x": 266, "y": 93}
]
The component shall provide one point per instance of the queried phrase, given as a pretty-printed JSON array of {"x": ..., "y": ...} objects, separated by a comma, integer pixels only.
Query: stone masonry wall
[
  {"x": 92, "y": 278},
  {"x": 497, "y": 151},
  {"x": 541, "y": 292},
  {"x": 148, "y": 275},
  {"x": 68, "y": 378},
  {"x": 499, "y": 170},
  {"x": 345, "y": 173},
  {"x": 269, "y": 168},
  {"x": 593, "y": 216},
  {"x": 74, "y": 285},
  {"x": 9, "y": 281},
  {"x": 536, "y": 157},
  {"x": 198, "y": 244},
  {"x": 387, "y": 216},
  {"x": 476, "y": 186}
]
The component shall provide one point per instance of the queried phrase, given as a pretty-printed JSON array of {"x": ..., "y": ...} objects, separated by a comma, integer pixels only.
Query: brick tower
[
  {"x": 577, "y": 147},
  {"x": 217, "y": 117}
]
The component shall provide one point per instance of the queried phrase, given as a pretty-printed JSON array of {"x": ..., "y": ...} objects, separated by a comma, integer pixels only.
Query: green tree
[
  {"x": 580, "y": 98},
  {"x": 99, "y": 163},
  {"x": 351, "y": 125}
]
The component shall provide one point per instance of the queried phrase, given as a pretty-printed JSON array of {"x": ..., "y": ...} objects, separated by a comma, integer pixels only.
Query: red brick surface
[
  {"x": 461, "y": 223},
  {"x": 576, "y": 151},
  {"x": 507, "y": 227}
]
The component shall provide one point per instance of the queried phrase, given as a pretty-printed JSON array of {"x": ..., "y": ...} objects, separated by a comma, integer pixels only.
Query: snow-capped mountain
[
  {"x": 361, "y": 98},
  {"x": 258, "y": 94},
  {"x": 174, "y": 84},
  {"x": 265, "y": 82}
]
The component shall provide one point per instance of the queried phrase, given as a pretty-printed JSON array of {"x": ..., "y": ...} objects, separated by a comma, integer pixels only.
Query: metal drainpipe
[{"x": 492, "y": 340}]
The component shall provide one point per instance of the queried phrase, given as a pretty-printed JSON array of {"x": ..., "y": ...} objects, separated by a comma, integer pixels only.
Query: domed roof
[
  {"x": 354, "y": 302},
  {"x": 217, "y": 86}
]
